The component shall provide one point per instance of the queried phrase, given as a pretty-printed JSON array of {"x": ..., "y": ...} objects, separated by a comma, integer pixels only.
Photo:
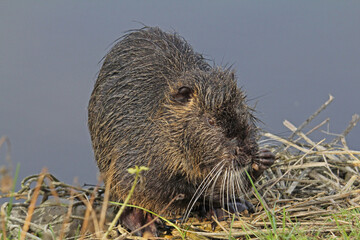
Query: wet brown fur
[{"x": 135, "y": 119}]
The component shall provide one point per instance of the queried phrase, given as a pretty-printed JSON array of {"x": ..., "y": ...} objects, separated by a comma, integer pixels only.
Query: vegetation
[{"x": 311, "y": 192}]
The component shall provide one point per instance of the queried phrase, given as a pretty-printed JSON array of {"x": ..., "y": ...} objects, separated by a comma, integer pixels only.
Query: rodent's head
[{"x": 208, "y": 125}]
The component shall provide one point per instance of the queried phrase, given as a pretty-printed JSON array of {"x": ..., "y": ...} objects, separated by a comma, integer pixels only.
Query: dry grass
[{"x": 312, "y": 191}]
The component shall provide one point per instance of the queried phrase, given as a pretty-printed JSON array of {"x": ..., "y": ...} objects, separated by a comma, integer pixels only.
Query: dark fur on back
[{"x": 157, "y": 103}]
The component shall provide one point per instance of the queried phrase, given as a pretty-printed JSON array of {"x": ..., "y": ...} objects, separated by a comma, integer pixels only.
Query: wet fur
[{"x": 135, "y": 119}]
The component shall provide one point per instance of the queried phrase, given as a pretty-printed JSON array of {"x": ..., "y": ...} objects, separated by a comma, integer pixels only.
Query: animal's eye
[
  {"x": 183, "y": 94},
  {"x": 210, "y": 121}
]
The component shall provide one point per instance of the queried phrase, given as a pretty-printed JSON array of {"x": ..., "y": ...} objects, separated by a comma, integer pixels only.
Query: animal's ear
[{"x": 183, "y": 94}]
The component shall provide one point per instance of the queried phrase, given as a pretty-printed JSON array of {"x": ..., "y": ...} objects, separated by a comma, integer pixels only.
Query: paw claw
[{"x": 264, "y": 160}]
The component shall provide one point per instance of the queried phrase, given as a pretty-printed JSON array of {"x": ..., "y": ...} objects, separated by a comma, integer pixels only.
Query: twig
[
  {"x": 89, "y": 210},
  {"x": 106, "y": 197},
  {"x": 32, "y": 204},
  {"x": 354, "y": 120},
  {"x": 67, "y": 217},
  {"x": 307, "y": 121}
]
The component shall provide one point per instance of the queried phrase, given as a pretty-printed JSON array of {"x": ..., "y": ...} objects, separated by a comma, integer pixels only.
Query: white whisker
[
  {"x": 213, "y": 187},
  {"x": 233, "y": 193},
  {"x": 213, "y": 180},
  {"x": 222, "y": 189},
  {"x": 201, "y": 188}
]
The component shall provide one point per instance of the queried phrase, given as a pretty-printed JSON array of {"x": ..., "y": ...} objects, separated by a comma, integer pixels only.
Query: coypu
[{"x": 159, "y": 104}]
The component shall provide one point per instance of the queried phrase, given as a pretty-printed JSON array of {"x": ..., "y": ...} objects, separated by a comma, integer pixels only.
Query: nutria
[{"x": 159, "y": 104}]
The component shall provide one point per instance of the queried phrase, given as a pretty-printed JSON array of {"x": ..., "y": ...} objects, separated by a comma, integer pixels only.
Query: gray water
[{"x": 289, "y": 56}]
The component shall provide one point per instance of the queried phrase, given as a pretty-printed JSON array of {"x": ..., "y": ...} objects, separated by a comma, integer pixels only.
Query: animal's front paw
[
  {"x": 264, "y": 160},
  {"x": 134, "y": 219},
  {"x": 239, "y": 207}
]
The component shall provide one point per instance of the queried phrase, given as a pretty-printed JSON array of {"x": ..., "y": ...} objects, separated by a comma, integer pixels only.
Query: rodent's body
[{"x": 157, "y": 103}]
